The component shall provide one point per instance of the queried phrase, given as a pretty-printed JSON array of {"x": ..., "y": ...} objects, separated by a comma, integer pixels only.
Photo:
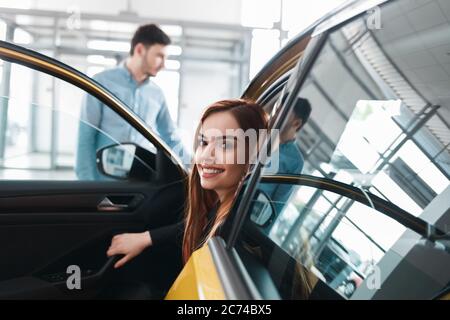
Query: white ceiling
[
  {"x": 416, "y": 35},
  {"x": 228, "y": 12}
]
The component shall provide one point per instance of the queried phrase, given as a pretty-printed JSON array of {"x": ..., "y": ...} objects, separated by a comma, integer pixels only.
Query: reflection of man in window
[{"x": 288, "y": 155}]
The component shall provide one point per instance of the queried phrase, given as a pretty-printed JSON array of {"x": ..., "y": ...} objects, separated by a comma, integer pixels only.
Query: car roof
[{"x": 286, "y": 58}]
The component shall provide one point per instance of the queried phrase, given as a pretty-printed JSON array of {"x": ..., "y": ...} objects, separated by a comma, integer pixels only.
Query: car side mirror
[
  {"x": 262, "y": 210},
  {"x": 126, "y": 161}
]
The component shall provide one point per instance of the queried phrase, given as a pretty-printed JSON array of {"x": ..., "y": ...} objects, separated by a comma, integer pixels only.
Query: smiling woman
[
  {"x": 227, "y": 129},
  {"x": 217, "y": 172}
]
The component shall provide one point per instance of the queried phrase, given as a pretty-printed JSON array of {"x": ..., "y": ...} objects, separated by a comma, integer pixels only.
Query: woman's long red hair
[{"x": 200, "y": 201}]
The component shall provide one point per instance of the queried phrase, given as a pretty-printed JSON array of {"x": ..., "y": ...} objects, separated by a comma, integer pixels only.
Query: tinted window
[{"x": 379, "y": 96}]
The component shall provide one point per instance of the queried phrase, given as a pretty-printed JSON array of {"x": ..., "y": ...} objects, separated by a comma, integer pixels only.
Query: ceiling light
[{"x": 109, "y": 45}]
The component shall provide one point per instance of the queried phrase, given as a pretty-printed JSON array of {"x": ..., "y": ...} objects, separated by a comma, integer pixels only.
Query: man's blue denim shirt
[{"x": 146, "y": 100}]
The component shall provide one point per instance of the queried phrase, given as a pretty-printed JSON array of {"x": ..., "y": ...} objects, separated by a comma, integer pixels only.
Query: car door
[
  {"x": 54, "y": 225},
  {"x": 366, "y": 217},
  {"x": 219, "y": 273},
  {"x": 328, "y": 241}
]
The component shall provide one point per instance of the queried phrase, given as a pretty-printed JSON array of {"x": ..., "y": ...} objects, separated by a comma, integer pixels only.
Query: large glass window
[{"x": 41, "y": 123}]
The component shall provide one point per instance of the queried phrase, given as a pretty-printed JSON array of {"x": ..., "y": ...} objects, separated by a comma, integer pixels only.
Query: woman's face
[{"x": 216, "y": 154}]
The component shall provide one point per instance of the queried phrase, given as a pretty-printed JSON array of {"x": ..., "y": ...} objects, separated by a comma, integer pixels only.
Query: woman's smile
[{"x": 209, "y": 172}]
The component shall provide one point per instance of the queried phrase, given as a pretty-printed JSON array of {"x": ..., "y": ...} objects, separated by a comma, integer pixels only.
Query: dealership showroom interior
[{"x": 225, "y": 150}]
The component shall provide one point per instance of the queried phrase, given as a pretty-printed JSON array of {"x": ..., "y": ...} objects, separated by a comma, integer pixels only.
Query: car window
[
  {"x": 379, "y": 116},
  {"x": 314, "y": 234},
  {"x": 372, "y": 113},
  {"x": 50, "y": 128}
]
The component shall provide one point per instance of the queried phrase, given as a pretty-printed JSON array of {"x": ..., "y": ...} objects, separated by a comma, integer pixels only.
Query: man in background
[{"x": 130, "y": 82}]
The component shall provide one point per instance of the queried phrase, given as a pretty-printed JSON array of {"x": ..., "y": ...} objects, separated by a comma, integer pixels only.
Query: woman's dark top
[{"x": 174, "y": 232}]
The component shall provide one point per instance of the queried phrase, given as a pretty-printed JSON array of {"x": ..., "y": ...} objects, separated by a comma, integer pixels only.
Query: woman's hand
[{"x": 129, "y": 244}]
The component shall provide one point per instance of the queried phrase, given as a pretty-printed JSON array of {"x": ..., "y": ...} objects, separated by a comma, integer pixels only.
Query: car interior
[{"x": 67, "y": 225}]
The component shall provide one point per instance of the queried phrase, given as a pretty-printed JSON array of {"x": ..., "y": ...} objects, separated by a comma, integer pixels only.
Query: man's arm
[{"x": 90, "y": 118}]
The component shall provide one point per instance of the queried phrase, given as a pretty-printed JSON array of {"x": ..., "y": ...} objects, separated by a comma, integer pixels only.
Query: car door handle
[
  {"x": 108, "y": 205},
  {"x": 120, "y": 202}
]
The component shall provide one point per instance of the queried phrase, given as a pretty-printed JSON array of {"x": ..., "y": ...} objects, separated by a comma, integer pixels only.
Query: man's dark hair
[
  {"x": 149, "y": 34},
  {"x": 302, "y": 109}
]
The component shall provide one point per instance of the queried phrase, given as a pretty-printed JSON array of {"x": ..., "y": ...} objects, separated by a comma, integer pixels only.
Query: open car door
[{"x": 53, "y": 225}]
